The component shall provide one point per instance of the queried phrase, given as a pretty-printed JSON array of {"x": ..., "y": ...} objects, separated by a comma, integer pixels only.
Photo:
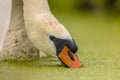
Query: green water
[{"x": 98, "y": 39}]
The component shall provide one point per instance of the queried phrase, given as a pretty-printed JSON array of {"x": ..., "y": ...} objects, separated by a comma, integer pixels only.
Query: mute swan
[
  {"x": 33, "y": 20},
  {"x": 44, "y": 30}
]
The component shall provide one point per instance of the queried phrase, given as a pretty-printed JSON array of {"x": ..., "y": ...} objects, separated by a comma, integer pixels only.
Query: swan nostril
[{"x": 70, "y": 55}]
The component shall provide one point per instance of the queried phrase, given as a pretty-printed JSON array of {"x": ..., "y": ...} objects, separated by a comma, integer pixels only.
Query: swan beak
[
  {"x": 70, "y": 59},
  {"x": 65, "y": 51}
]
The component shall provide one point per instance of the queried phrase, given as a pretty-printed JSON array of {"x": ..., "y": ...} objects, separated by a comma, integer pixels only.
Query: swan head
[
  {"x": 55, "y": 36},
  {"x": 49, "y": 36}
]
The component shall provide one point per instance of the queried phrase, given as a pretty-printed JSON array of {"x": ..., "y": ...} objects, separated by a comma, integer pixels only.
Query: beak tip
[{"x": 70, "y": 59}]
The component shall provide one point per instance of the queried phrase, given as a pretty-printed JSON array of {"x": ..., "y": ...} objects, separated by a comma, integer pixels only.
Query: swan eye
[{"x": 52, "y": 37}]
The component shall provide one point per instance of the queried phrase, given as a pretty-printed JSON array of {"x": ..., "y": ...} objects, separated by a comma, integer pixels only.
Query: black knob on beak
[
  {"x": 61, "y": 43},
  {"x": 72, "y": 45}
]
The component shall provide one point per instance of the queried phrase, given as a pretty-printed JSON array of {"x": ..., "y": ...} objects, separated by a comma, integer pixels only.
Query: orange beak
[{"x": 70, "y": 59}]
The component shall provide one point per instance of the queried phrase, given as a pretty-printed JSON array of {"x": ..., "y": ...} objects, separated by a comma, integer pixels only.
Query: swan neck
[{"x": 36, "y": 6}]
